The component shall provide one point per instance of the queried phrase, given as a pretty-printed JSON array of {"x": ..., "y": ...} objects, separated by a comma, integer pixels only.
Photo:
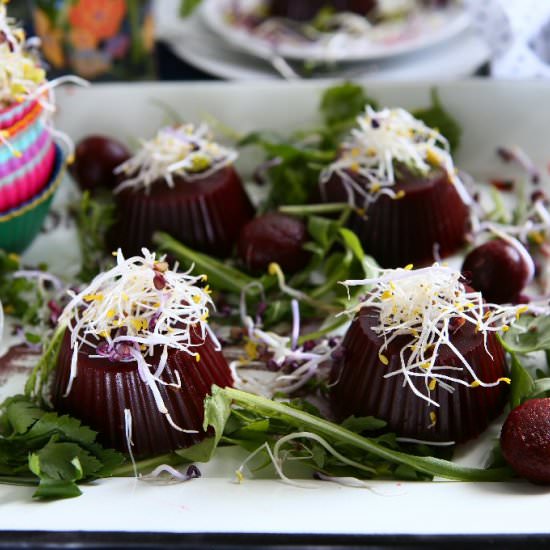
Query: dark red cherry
[
  {"x": 95, "y": 159},
  {"x": 273, "y": 237},
  {"x": 498, "y": 270},
  {"x": 525, "y": 440}
]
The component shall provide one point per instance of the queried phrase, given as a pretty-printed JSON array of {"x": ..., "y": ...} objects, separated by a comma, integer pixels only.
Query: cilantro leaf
[
  {"x": 22, "y": 414},
  {"x": 58, "y": 450}
]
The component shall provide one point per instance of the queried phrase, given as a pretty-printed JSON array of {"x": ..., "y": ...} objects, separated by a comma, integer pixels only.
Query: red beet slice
[
  {"x": 307, "y": 10},
  {"x": 525, "y": 440},
  {"x": 402, "y": 231},
  {"x": 498, "y": 270},
  {"x": 95, "y": 159},
  {"x": 102, "y": 390},
  {"x": 273, "y": 237},
  {"x": 360, "y": 389},
  {"x": 207, "y": 214}
]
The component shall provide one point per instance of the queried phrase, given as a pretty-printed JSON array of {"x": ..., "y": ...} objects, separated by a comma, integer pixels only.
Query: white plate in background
[
  {"x": 427, "y": 28},
  {"x": 192, "y": 41}
]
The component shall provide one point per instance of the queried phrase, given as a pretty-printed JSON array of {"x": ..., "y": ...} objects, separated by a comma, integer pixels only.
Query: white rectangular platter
[{"x": 491, "y": 114}]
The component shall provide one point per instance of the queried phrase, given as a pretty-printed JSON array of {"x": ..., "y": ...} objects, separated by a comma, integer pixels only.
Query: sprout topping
[
  {"x": 126, "y": 313},
  {"x": 185, "y": 150},
  {"x": 20, "y": 71},
  {"x": 382, "y": 141},
  {"x": 428, "y": 306}
]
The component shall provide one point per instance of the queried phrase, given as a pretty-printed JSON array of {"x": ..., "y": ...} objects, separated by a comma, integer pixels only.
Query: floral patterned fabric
[{"x": 97, "y": 38}]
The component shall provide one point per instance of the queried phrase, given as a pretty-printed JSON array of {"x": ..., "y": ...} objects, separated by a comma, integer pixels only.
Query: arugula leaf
[
  {"x": 358, "y": 449},
  {"x": 436, "y": 116}
]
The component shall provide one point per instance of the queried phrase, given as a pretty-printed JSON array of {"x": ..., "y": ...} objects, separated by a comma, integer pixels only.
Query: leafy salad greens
[{"x": 55, "y": 452}]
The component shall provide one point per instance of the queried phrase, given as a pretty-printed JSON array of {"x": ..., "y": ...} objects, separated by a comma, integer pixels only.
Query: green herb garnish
[{"x": 53, "y": 451}]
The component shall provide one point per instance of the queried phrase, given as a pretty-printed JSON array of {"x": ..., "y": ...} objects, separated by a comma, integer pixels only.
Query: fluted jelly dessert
[
  {"x": 138, "y": 357},
  {"x": 184, "y": 183},
  {"x": 398, "y": 174},
  {"x": 422, "y": 354}
]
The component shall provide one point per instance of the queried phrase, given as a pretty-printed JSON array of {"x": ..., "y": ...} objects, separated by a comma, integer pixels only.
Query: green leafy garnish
[
  {"x": 21, "y": 297},
  {"x": 438, "y": 118},
  {"x": 94, "y": 217},
  {"x": 380, "y": 456},
  {"x": 522, "y": 384},
  {"x": 51, "y": 450},
  {"x": 47, "y": 363},
  {"x": 336, "y": 255},
  {"x": 343, "y": 103}
]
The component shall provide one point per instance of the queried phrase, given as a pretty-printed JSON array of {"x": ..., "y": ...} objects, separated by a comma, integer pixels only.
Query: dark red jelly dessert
[
  {"x": 525, "y": 440},
  {"x": 305, "y": 10},
  {"x": 273, "y": 237},
  {"x": 430, "y": 220},
  {"x": 95, "y": 159},
  {"x": 102, "y": 390},
  {"x": 498, "y": 270},
  {"x": 359, "y": 387},
  {"x": 206, "y": 214}
]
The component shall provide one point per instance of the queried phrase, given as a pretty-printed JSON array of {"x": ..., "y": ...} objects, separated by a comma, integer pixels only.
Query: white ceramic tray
[{"x": 491, "y": 113}]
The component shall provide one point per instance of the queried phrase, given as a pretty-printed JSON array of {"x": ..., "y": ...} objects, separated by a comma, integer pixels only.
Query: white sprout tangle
[
  {"x": 428, "y": 305},
  {"x": 283, "y": 350},
  {"x": 185, "y": 150},
  {"x": 139, "y": 305},
  {"x": 382, "y": 140}
]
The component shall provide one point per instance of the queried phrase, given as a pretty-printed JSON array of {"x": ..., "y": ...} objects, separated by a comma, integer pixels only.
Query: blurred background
[{"x": 293, "y": 39}]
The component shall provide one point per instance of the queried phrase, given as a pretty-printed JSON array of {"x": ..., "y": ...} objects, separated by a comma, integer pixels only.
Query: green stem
[
  {"x": 324, "y": 331},
  {"x": 19, "y": 480},
  {"x": 306, "y": 210},
  {"x": 429, "y": 465},
  {"x": 223, "y": 277}
]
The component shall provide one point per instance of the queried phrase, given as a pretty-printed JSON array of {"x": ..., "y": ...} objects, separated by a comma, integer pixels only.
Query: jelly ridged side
[
  {"x": 360, "y": 387},
  {"x": 397, "y": 232},
  {"x": 103, "y": 389},
  {"x": 206, "y": 214}
]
